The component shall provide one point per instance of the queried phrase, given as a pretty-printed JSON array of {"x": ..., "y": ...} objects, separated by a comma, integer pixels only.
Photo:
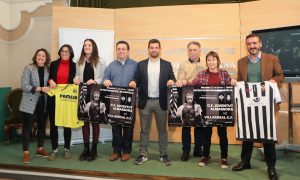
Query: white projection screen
[{"x": 75, "y": 37}]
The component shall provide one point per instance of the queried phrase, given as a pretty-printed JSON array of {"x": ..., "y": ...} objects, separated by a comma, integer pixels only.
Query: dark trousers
[
  {"x": 41, "y": 123},
  {"x": 54, "y": 130},
  {"x": 122, "y": 139},
  {"x": 86, "y": 132},
  {"x": 269, "y": 152},
  {"x": 222, "y": 133},
  {"x": 186, "y": 139}
]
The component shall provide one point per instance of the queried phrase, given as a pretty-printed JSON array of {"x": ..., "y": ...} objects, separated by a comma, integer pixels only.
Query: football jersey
[
  {"x": 66, "y": 104},
  {"x": 256, "y": 114}
]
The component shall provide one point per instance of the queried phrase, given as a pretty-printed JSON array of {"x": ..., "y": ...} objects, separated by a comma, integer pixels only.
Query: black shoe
[
  {"x": 93, "y": 153},
  {"x": 272, "y": 174},
  {"x": 197, "y": 154},
  {"x": 241, "y": 166},
  {"x": 185, "y": 156},
  {"x": 86, "y": 152}
]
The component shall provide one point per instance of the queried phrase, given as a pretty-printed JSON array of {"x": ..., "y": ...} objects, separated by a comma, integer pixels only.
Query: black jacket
[
  {"x": 54, "y": 69},
  {"x": 166, "y": 73}
]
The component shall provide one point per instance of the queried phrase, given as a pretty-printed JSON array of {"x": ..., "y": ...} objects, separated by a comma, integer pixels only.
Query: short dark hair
[
  {"x": 213, "y": 54},
  {"x": 70, "y": 51},
  {"x": 123, "y": 42},
  {"x": 195, "y": 43},
  {"x": 253, "y": 35},
  {"x": 152, "y": 41}
]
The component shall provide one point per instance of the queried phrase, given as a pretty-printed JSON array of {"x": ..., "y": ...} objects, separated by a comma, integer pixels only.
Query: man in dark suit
[
  {"x": 152, "y": 78},
  {"x": 257, "y": 67}
]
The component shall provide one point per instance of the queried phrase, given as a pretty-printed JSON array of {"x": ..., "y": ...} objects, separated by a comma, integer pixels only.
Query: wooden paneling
[
  {"x": 83, "y": 18},
  {"x": 216, "y": 27},
  {"x": 178, "y": 21}
]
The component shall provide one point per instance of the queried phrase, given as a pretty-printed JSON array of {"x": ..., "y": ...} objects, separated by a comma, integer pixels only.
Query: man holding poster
[
  {"x": 121, "y": 72},
  {"x": 187, "y": 72},
  {"x": 152, "y": 78}
]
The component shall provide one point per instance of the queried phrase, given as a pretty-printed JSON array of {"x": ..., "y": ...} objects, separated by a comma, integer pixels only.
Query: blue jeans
[{"x": 122, "y": 139}]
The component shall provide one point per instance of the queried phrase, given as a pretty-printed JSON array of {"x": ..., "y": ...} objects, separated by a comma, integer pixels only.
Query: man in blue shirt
[{"x": 121, "y": 72}]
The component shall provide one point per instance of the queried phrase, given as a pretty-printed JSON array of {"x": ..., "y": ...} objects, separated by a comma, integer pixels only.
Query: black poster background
[
  {"x": 118, "y": 102},
  {"x": 201, "y": 106}
]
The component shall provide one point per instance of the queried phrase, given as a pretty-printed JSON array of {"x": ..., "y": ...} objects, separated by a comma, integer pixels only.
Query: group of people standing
[{"x": 151, "y": 77}]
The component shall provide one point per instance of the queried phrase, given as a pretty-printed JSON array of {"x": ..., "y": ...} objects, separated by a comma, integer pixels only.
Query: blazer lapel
[
  {"x": 263, "y": 66},
  {"x": 161, "y": 67},
  {"x": 36, "y": 76},
  {"x": 146, "y": 70},
  {"x": 244, "y": 69},
  {"x": 46, "y": 76}
]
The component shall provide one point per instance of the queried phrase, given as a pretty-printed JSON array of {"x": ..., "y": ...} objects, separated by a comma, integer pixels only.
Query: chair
[{"x": 15, "y": 120}]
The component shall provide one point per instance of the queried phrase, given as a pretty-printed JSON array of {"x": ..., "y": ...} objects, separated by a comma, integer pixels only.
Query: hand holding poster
[{"x": 201, "y": 106}]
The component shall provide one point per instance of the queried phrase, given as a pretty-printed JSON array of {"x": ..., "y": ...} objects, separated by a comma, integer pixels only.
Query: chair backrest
[{"x": 13, "y": 100}]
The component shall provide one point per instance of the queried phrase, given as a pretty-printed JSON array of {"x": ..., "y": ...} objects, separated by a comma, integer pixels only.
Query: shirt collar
[
  {"x": 258, "y": 58},
  {"x": 157, "y": 62},
  {"x": 122, "y": 62},
  {"x": 191, "y": 61}
]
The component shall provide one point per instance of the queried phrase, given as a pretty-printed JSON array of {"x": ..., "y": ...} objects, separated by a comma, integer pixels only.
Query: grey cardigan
[
  {"x": 98, "y": 70},
  {"x": 30, "y": 78}
]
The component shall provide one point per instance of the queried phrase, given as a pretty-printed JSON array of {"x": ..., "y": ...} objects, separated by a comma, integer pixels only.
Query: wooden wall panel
[
  {"x": 84, "y": 18},
  {"x": 178, "y": 21},
  {"x": 216, "y": 27}
]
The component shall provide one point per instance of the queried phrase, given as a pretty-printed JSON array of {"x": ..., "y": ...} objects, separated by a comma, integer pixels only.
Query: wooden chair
[{"x": 15, "y": 120}]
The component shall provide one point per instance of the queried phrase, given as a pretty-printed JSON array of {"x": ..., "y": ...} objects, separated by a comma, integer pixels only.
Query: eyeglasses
[{"x": 65, "y": 52}]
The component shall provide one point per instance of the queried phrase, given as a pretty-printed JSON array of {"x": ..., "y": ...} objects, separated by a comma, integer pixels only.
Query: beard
[
  {"x": 154, "y": 54},
  {"x": 253, "y": 51}
]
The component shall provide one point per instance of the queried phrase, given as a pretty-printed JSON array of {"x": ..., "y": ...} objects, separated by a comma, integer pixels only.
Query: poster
[
  {"x": 201, "y": 106},
  {"x": 113, "y": 105}
]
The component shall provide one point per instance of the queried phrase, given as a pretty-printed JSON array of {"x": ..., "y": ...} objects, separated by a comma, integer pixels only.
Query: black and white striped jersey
[{"x": 255, "y": 107}]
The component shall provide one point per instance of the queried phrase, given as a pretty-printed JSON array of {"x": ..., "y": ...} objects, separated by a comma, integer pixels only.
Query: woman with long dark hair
[
  {"x": 89, "y": 69},
  {"x": 34, "y": 86},
  {"x": 62, "y": 71},
  {"x": 213, "y": 76}
]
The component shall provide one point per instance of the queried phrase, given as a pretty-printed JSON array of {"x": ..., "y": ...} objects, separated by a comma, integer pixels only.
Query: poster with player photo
[
  {"x": 192, "y": 106},
  {"x": 91, "y": 104},
  {"x": 120, "y": 103},
  {"x": 183, "y": 109},
  {"x": 113, "y": 105}
]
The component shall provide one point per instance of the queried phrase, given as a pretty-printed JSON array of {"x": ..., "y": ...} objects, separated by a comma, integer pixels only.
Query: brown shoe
[
  {"x": 125, "y": 157},
  {"x": 42, "y": 152},
  {"x": 25, "y": 158},
  {"x": 114, "y": 157}
]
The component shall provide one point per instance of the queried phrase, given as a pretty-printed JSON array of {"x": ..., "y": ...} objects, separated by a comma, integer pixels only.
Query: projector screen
[{"x": 75, "y": 37}]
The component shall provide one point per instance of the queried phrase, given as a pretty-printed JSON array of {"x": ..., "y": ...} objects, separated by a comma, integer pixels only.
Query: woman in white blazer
[
  {"x": 89, "y": 69},
  {"x": 34, "y": 85}
]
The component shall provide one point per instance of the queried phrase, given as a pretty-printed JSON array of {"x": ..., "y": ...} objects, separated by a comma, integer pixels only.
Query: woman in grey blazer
[
  {"x": 89, "y": 69},
  {"x": 34, "y": 86}
]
